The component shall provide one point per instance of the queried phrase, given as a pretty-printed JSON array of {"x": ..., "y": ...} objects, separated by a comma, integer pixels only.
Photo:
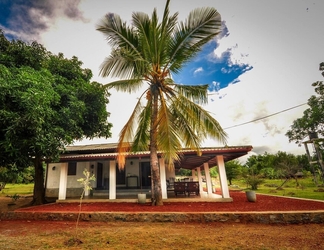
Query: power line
[{"x": 258, "y": 119}]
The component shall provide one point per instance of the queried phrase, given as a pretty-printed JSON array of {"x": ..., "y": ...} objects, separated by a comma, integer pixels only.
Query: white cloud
[{"x": 199, "y": 70}]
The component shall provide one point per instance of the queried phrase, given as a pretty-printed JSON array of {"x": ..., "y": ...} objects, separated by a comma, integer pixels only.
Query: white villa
[{"x": 100, "y": 160}]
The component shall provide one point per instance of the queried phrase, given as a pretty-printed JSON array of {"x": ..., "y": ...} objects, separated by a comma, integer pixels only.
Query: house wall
[{"x": 74, "y": 188}]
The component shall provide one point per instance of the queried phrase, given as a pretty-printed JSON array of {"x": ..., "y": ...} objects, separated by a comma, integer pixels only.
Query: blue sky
[
  {"x": 264, "y": 61},
  {"x": 205, "y": 68}
]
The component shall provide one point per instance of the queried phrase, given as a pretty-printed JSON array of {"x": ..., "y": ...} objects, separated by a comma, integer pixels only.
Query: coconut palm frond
[
  {"x": 187, "y": 133},
  {"x": 199, "y": 119},
  {"x": 126, "y": 135},
  {"x": 212, "y": 127},
  {"x": 127, "y": 85},
  {"x": 168, "y": 139},
  {"x": 197, "y": 93},
  {"x": 188, "y": 38},
  {"x": 118, "y": 34},
  {"x": 142, "y": 136},
  {"x": 122, "y": 67}
]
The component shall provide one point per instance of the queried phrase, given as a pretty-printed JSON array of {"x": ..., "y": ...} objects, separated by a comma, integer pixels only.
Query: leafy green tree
[
  {"x": 7, "y": 175},
  {"x": 184, "y": 172},
  {"x": 233, "y": 170},
  {"x": 168, "y": 115},
  {"x": 46, "y": 102},
  {"x": 255, "y": 163},
  {"x": 213, "y": 172},
  {"x": 311, "y": 124},
  {"x": 253, "y": 172},
  {"x": 312, "y": 120},
  {"x": 273, "y": 166},
  {"x": 287, "y": 166}
]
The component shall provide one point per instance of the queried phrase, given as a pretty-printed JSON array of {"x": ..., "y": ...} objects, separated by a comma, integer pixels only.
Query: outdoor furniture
[
  {"x": 179, "y": 187},
  {"x": 132, "y": 181},
  {"x": 192, "y": 187},
  {"x": 186, "y": 187},
  {"x": 170, "y": 183}
]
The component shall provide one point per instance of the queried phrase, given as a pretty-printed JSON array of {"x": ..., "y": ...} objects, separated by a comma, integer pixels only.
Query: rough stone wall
[
  {"x": 70, "y": 192},
  {"x": 263, "y": 218}
]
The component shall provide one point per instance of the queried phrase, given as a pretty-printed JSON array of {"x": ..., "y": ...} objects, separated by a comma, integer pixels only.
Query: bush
[{"x": 253, "y": 181}]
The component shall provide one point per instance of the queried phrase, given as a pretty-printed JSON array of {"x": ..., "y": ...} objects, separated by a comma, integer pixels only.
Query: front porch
[{"x": 130, "y": 195}]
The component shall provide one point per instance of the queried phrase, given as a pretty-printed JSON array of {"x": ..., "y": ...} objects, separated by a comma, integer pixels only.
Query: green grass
[
  {"x": 306, "y": 189},
  {"x": 20, "y": 189}
]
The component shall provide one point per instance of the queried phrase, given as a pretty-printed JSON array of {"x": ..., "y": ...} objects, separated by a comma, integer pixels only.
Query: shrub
[{"x": 253, "y": 181}]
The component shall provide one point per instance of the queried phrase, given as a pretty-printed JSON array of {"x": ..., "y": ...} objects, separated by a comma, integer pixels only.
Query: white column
[
  {"x": 208, "y": 179},
  {"x": 63, "y": 181},
  {"x": 193, "y": 174},
  {"x": 112, "y": 180},
  {"x": 163, "y": 178},
  {"x": 222, "y": 176},
  {"x": 201, "y": 189}
]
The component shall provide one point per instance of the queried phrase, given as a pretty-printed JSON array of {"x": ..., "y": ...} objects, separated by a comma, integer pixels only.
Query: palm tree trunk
[{"x": 155, "y": 168}]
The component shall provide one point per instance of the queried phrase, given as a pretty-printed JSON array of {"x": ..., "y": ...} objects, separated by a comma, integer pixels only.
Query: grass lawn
[
  {"x": 305, "y": 189},
  {"x": 19, "y": 189}
]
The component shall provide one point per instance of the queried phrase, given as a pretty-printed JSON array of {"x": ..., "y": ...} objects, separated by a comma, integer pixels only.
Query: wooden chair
[
  {"x": 171, "y": 183},
  {"x": 179, "y": 187}
]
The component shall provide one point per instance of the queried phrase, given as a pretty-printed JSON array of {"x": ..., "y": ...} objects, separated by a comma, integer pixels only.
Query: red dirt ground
[
  {"x": 239, "y": 204},
  {"x": 14, "y": 233}
]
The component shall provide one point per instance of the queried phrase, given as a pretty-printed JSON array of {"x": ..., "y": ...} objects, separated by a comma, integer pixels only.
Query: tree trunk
[
  {"x": 282, "y": 184},
  {"x": 154, "y": 161},
  {"x": 39, "y": 189},
  {"x": 156, "y": 188}
]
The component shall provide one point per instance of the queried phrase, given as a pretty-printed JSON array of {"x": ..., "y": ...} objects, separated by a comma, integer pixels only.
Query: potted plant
[{"x": 141, "y": 197}]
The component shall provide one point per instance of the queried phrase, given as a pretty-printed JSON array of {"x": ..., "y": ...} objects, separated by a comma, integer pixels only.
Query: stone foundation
[
  {"x": 262, "y": 217},
  {"x": 70, "y": 192}
]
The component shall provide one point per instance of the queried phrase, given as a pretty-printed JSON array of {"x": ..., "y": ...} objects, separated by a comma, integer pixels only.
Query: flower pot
[
  {"x": 251, "y": 196},
  {"x": 141, "y": 198}
]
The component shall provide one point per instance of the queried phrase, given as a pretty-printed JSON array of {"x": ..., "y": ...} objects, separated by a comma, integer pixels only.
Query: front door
[
  {"x": 145, "y": 175},
  {"x": 99, "y": 176},
  {"x": 120, "y": 176}
]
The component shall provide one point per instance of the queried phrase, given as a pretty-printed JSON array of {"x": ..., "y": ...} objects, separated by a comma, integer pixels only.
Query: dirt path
[{"x": 7, "y": 204}]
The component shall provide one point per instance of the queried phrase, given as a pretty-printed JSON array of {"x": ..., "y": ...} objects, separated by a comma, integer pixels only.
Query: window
[{"x": 72, "y": 168}]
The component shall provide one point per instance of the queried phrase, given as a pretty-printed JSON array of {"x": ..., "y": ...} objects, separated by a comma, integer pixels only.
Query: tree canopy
[
  {"x": 312, "y": 120},
  {"x": 46, "y": 102}
]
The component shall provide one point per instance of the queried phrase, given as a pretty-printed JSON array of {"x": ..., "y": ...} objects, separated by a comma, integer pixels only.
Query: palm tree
[{"x": 167, "y": 116}]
